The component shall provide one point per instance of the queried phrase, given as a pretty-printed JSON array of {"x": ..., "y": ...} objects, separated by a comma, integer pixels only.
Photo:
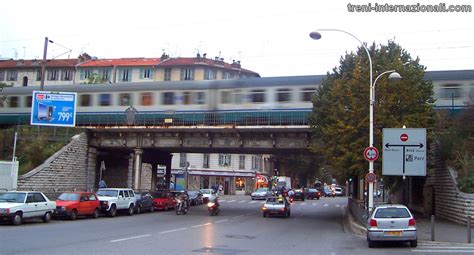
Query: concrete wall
[{"x": 66, "y": 170}]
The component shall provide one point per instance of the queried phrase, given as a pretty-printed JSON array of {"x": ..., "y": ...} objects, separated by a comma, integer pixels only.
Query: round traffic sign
[
  {"x": 403, "y": 137},
  {"x": 370, "y": 177},
  {"x": 371, "y": 153}
]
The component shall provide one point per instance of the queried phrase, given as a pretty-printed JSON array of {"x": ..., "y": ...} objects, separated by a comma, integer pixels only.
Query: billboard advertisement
[{"x": 53, "y": 109}]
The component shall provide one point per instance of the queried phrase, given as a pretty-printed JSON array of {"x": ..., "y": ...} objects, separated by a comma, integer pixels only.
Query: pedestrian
[
  {"x": 102, "y": 184},
  {"x": 221, "y": 188}
]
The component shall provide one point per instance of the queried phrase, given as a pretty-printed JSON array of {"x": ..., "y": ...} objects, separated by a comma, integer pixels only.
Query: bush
[{"x": 466, "y": 184}]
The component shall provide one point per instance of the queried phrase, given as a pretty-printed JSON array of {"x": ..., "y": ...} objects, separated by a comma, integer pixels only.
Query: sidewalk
[{"x": 445, "y": 231}]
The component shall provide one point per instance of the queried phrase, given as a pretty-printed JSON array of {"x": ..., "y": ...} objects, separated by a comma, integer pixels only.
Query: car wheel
[
  {"x": 264, "y": 215},
  {"x": 113, "y": 211},
  {"x": 73, "y": 215},
  {"x": 138, "y": 210},
  {"x": 414, "y": 243},
  {"x": 152, "y": 208},
  {"x": 47, "y": 217},
  {"x": 130, "y": 210},
  {"x": 318, "y": 198},
  {"x": 96, "y": 214},
  {"x": 17, "y": 219},
  {"x": 166, "y": 208},
  {"x": 371, "y": 244},
  {"x": 253, "y": 198}
]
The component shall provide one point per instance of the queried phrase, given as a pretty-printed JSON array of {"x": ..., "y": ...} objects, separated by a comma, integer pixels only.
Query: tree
[{"x": 340, "y": 117}]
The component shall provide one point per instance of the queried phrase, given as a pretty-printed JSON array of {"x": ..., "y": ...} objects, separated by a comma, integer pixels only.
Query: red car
[
  {"x": 163, "y": 200},
  {"x": 73, "y": 204}
]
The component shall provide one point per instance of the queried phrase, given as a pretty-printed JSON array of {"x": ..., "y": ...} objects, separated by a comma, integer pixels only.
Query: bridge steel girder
[{"x": 252, "y": 140}]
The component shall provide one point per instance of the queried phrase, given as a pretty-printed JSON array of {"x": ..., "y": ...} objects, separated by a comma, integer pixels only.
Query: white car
[
  {"x": 18, "y": 205},
  {"x": 113, "y": 200},
  {"x": 208, "y": 195}
]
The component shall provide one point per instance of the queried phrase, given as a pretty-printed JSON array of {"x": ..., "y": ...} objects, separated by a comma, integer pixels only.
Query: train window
[
  {"x": 226, "y": 97},
  {"x": 307, "y": 94},
  {"x": 146, "y": 99},
  {"x": 86, "y": 100},
  {"x": 14, "y": 102},
  {"x": 104, "y": 99},
  {"x": 168, "y": 98},
  {"x": 200, "y": 98},
  {"x": 283, "y": 95},
  {"x": 125, "y": 99},
  {"x": 237, "y": 96},
  {"x": 187, "y": 97},
  {"x": 451, "y": 91},
  {"x": 257, "y": 96},
  {"x": 29, "y": 101}
]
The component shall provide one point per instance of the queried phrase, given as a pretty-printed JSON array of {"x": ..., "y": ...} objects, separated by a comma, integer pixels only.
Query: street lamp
[{"x": 393, "y": 75}]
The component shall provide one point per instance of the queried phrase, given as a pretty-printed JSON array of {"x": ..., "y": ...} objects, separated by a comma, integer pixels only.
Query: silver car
[
  {"x": 391, "y": 223},
  {"x": 261, "y": 193}
]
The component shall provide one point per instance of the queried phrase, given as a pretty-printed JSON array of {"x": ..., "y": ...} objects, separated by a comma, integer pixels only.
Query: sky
[{"x": 268, "y": 37}]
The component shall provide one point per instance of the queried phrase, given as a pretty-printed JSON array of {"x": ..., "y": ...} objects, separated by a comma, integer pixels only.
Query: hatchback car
[
  {"x": 73, "y": 204},
  {"x": 15, "y": 206},
  {"x": 208, "y": 194},
  {"x": 299, "y": 195},
  {"x": 163, "y": 200},
  {"x": 261, "y": 193},
  {"x": 311, "y": 193},
  {"x": 276, "y": 206},
  {"x": 195, "y": 197},
  {"x": 144, "y": 202},
  {"x": 391, "y": 223}
]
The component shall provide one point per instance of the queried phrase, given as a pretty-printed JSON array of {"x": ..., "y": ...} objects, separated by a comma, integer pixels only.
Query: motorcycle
[
  {"x": 213, "y": 208},
  {"x": 181, "y": 206}
]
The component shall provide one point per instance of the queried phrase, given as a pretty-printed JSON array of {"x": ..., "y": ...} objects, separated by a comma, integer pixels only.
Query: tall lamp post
[{"x": 316, "y": 35}]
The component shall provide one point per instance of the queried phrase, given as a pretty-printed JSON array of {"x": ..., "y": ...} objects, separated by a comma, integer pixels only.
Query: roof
[
  {"x": 203, "y": 62},
  {"x": 37, "y": 63},
  {"x": 450, "y": 75},
  {"x": 121, "y": 62}
]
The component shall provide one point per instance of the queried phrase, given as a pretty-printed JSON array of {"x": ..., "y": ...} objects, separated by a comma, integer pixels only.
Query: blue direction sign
[{"x": 53, "y": 109}]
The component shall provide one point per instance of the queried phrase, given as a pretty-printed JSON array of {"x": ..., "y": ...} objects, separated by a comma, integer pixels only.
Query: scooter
[
  {"x": 181, "y": 206},
  {"x": 213, "y": 208}
]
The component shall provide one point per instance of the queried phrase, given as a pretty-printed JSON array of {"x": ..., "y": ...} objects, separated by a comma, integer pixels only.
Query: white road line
[
  {"x": 230, "y": 201},
  {"x": 447, "y": 251},
  {"x": 222, "y": 200},
  {"x": 315, "y": 204},
  {"x": 304, "y": 203},
  {"x": 240, "y": 216},
  {"x": 325, "y": 205},
  {"x": 253, "y": 202},
  {"x": 249, "y": 213},
  {"x": 173, "y": 230},
  {"x": 338, "y": 205},
  {"x": 243, "y": 201},
  {"x": 128, "y": 238},
  {"x": 263, "y": 202},
  {"x": 221, "y": 220},
  {"x": 202, "y": 225}
]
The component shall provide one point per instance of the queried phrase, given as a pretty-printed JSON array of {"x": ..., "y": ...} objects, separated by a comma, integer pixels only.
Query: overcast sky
[{"x": 268, "y": 37}]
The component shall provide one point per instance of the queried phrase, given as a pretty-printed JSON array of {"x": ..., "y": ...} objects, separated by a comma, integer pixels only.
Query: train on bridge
[{"x": 249, "y": 101}]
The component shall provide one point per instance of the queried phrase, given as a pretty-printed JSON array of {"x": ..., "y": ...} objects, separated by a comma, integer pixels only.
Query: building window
[
  {"x": 182, "y": 159},
  {"x": 104, "y": 99},
  {"x": 225, "y": 75},
  {"x": 451, "y": 91},
  {"x": 86, "y": 74},
  {"x": 187, "y": 97},
  {"x": 12, "y": 75},
  {"x": 66, "y": 75},
  {"x": 256, "y": 163},
  {"x": 224, "y": 159},
  {"x": 210, "y": 74},
  {"x": 29, "y": 101},
  {"x": 2, "y": 75},
  {"x": 205, "y": 160},
  {"x": 86, "y": 100},
  {"x": 105, "y": 74},
  {"x": 187, "y": 74},
  {"x": 200, "y": 98},
  {"x": 52, "y": 75},
  {"x": 257, "y": 96},
  {"x": 14, "y": 101},
  {"x": 283, "y": 95},
  {"x": 307, "y": 94},
  {"x": 237, "y": 96},
  {"x": 167, "y": 74},
  {"x": 241, "y": 162},
  {"x": 125, "y": 99},
  {"x": 168, "y": 98},
  {"x": 146, "y": 73},
  {"x": 38, "y": 75},
  {"x": 125, "y": 75},
  {"x": 146, "y": 99},
  {"x": 226, "y": 97}
]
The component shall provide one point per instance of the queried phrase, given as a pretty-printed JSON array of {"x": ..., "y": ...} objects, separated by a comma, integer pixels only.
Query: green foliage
[
  {"x": 32, "y": 153},
  {"x": 95, "y": 78},
  {"x": 340, "y": 118},
  {"x": 466, "y": 184}
]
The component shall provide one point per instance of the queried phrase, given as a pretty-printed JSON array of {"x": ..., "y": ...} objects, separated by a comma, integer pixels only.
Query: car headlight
[
  {"x": 63, "y": 208},
  {"x": 4, "y": 210}
]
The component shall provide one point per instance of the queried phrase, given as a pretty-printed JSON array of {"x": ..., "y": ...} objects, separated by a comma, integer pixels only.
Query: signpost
[
  {"x": 404, "y": 151},
  {"x": 53, "y": 109}
]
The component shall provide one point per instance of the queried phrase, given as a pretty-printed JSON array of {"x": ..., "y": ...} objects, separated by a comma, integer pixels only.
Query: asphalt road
[{"x": 315, "y": 227}]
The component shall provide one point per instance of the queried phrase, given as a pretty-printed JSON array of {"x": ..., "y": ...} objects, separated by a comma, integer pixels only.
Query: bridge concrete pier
[{"x": 137, "y": 169}]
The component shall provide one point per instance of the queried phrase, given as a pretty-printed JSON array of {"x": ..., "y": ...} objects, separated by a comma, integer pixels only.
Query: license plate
[{"x": 393, "y": 233}]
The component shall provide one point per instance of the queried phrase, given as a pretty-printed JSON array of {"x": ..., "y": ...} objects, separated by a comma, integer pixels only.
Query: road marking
[
  {"x": 263, "y": 202},
  {"x": 173, "y": 230},
  {"x": 304, "y": 203},
  {"x": 243, "y": 201},
  {"x": 338, "y": 205},
  {"x": 202, "y": 225},
  {"x": 221, "y": 220},
  {"x": 249, "y": 213},
  {"x": 253, "y": 202},
  {"x": 128, "y": 238},
  {"x": 315, "y": 204},
  {"x": 325, "y": 205},
  {"x": 240, "y": 216},
  {"x": 230, "y": 201},
  {"x": 223, "y": 200}
]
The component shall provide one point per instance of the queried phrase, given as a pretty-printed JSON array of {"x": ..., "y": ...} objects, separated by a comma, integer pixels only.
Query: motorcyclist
[{"x": 183, "y": 198}]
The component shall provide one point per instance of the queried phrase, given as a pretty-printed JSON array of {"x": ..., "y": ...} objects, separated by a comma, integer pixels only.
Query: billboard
[{"x": 53, "y": 109}]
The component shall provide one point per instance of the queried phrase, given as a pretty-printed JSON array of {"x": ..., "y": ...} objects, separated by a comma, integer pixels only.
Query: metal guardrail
[{"x": 358, "y": 211}]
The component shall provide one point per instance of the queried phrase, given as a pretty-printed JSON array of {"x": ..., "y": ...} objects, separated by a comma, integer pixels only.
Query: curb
[{"x": 354, "y": 226}]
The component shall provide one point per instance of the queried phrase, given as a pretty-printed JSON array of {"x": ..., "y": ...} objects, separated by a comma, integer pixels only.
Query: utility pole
[{"x": 43, "y": 64}]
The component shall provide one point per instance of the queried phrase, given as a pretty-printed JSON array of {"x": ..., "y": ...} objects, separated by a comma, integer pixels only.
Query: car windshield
[
  {"x": 274, "y": 200},
  {"x": 313, "y": 190},
  {"x": 206, "y": 191},
  {"x": 107, "y": 193},
  {"x": 394, "y": 212},
  {"x": 69, "y": 197},
  {"x": 160, "y": 195},
  {"x": 192, "y": 193},
  {"x": 262, "y": 190},
  {"x": 12, "y": 197}
]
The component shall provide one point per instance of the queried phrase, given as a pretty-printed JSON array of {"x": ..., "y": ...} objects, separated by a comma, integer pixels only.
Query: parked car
[
  {"x": 144, "y": 202},
  {"x": 208, "y": 194},
  {"x": 311, "y": 193},
  {"x": 338, "y": 191},
  {"x": 73, "y": 204},
  {"x": 261, "y": 193},
  {"x": 195, "y": 197},
  {"x": 116, "y": 199},
  {"x": 299, "y": 195},
  {"x": 15, "y": 206},
  {"x": 163, "y": 200},
  {"x": 276, "y": 206},
  {"x": 391, "y": 223}
]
